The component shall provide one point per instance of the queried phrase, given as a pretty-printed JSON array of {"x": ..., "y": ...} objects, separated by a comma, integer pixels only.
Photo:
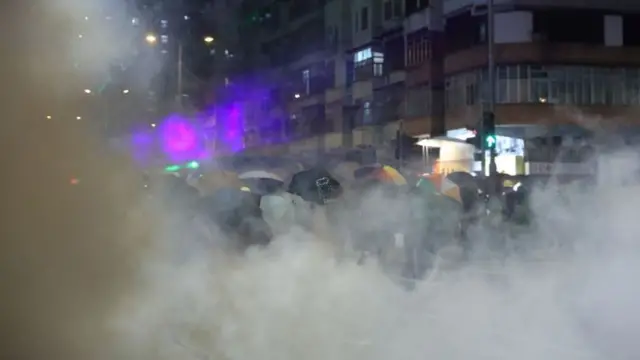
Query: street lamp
[
  {"x": 208, "y": 39},
  {"x": 151, "y": 39},
  {"x": 125, "y": 91},
  {"x": 78, "y": 117},
  {"x": 87, "y": 91}
]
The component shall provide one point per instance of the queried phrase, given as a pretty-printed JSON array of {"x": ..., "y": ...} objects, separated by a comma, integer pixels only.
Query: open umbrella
[
  {"x": 260, "y": 174},
  {"x": 393, "y": 175},
  {"x": 262, "y": 182},
  {"x": 469, "y": 188},
  {"x": 315, "y": 185},
  {"x": 463, "y": 179},
  {"x": 445, "y": 186},
  {"x": 382, "y": 173}
]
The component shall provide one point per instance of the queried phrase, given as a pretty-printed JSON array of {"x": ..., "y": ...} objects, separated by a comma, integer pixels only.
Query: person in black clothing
[{"x": 238, "y": 216}]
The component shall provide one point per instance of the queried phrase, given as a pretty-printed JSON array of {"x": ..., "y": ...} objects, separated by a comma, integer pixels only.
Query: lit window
[
  {"x": 363, "y": 55},
  {"x": 164, "y": 39},
  {"x": 135, "y": 21},
  {"x": 164, "y": 24}
]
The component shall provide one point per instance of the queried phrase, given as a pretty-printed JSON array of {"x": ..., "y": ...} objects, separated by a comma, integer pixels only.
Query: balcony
[{"x": 533, "y": 53}]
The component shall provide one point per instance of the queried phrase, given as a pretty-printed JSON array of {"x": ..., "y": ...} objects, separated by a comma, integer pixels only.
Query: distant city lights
[{"x": 151, "y": 39}]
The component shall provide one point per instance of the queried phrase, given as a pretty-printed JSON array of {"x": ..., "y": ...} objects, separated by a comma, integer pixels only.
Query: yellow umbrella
[
  {"x": 445, "y": 186},
  {"x": 393, "y": 175},
  {"x": 450, "y": 189}
]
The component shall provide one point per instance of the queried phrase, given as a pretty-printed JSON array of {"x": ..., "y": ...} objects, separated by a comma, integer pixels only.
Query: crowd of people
[{"x": 367, "y": 212}]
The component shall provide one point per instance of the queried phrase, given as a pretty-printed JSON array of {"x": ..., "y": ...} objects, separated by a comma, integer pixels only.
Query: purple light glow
[
  {"x": 180, "y": 139},
  {"x": 231, "y": 128},
  {"x": 142, "y": 146}
]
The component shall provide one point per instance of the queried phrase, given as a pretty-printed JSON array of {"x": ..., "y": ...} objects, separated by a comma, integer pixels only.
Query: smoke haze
[{"x": 84, "y": 271}]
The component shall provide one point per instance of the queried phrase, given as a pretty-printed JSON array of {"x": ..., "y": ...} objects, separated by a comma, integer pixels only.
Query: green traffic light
[{"x": 491, "y": 141}]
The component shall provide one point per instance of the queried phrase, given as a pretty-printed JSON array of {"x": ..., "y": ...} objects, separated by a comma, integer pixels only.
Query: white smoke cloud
[{"x": 84, "y": 273}]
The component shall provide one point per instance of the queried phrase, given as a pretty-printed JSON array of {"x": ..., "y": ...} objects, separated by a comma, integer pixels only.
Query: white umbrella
[{"x": 259, "y": 174}]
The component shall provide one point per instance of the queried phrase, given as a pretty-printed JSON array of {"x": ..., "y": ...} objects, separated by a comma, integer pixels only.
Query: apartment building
[
  {"x": 424, "y": 64},
  {"x": 335, "y": 75},
  {"x": 561, "y": 66},
  {"x": 292, "y": 52}
]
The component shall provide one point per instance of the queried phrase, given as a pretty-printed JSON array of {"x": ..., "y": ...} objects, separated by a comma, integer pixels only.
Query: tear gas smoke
[{"x": 85, "y": 273}]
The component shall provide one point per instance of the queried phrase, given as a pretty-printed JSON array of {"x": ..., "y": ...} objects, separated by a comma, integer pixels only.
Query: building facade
[{"x": 344, "y": 73}]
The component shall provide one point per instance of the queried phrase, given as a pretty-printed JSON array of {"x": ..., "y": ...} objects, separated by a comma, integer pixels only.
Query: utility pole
[
  {"x": 436, "y": 68},
  {"x": 492, "y": 85},
  {"x": 179, "y": 88}
]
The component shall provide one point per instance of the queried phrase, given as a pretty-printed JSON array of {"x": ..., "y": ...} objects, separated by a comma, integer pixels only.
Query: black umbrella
[
  {"x": 463, "y": 179},
  {"x": 315, "y": 185},
  {"x": 469, "y": 188}
]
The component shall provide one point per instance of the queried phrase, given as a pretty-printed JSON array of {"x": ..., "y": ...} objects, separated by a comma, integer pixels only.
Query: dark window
[
  {"x": 410, "y": 7},
  {"x": 569, "y": 26},
  {"x": 463, "y": 31},
  {"x": 364, "y": 18},
  {"x": 330, "y": 73},
  {"x": 414, "y": 6},
  {"x": 388, "y": 10},
  {"x": 631, "y": 29},
  {"x": 350, "y": 71},
  {"x": 394, "y": 54},
  {"x": 397, "y": 8}
]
